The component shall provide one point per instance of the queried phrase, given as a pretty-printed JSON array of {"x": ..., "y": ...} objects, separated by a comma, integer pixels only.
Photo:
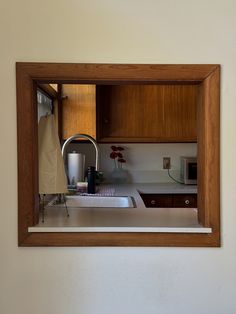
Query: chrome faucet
[{"x": 88, "y": 137}]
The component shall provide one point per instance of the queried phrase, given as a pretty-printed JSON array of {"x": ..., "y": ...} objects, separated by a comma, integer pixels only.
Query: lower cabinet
[
  {"x": 184, "y": 200},
  {"x": 170, "y": 200}
]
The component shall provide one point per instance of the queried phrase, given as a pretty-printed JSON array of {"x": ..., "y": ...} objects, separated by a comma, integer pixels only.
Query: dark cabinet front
[{"x": 170, "y": 200}]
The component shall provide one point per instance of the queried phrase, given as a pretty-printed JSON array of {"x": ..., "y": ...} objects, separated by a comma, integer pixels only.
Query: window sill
[{"x": 123, "y": 229}]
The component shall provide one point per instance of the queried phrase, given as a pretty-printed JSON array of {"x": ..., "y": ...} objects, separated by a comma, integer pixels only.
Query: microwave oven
[{"x": 188, "y": 170}]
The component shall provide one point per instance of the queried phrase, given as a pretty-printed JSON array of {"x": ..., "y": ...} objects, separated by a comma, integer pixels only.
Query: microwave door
[{"x": 192, "y": 172}]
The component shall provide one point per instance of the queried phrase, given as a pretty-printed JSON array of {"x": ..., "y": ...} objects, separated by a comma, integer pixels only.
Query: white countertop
[
  {"x": 165, "y": 188},
  {"x": 138, "y": 219}
]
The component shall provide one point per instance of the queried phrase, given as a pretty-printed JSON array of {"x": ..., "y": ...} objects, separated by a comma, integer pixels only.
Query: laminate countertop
[{"x": 137, "y": 219}]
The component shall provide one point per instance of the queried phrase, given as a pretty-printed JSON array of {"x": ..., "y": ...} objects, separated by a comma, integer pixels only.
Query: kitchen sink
[{"x": 97, "y": 201}]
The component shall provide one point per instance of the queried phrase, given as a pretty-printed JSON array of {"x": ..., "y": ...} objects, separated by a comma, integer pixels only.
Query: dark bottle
[{"x": 91, "y": 180}]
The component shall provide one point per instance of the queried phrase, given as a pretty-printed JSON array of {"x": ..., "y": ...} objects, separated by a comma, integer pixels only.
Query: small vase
[{"x": 119, "y": 176}]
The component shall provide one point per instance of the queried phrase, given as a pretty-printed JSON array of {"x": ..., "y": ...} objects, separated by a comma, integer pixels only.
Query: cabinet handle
[
  {"x": 153, "y": 202},
  {"x": 187, "y": 202}
]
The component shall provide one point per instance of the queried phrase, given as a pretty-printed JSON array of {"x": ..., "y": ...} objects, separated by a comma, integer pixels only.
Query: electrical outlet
[{"x": 166, "y": 163}]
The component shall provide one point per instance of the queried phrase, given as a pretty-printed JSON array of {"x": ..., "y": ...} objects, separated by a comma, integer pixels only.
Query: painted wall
[
  {"x": 144, "y": 162},
  {"x": 117, "y": 280}
]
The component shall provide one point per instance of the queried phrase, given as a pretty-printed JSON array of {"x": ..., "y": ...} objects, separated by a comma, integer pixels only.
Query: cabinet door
[
  {"x": 170, "y": 200},
  {"x": 185, "y": 200},
  {"x": 130, "y": 113},
  {"x": 78, "y": 110},
  {"x": 180, "y": 112},
  {"x": 157, "y": 200},
  {"x": 147, "y": 113}
]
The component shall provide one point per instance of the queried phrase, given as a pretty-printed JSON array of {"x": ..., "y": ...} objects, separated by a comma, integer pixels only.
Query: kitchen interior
[{"x": 118, "y": 158}]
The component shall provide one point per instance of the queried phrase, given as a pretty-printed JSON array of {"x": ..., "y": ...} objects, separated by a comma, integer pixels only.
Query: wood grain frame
[{"x": 28, "y": 75}]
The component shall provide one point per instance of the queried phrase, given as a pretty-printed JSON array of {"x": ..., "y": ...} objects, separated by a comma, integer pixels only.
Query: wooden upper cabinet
[
  {"x": 180, "y": 113},
  {"x": 131, "y": 113},
  {"x": 147, "y": 113},
  {"x": 78, "y": 110}
]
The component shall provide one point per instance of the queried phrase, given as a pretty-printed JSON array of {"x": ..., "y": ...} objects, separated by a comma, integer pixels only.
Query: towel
[{"x": 52, "y": 175}]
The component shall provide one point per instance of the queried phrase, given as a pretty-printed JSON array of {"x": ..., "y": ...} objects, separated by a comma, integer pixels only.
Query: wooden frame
[{"x": 28, "y": 75}]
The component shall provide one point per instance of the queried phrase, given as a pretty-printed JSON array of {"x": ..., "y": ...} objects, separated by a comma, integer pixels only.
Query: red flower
[
  {"x": 117, "y": 156},
  {"x": 113, "y": 155}
]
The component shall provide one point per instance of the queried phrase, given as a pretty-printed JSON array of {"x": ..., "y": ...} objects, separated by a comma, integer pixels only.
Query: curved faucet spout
[{"x": 88, "y": 137}]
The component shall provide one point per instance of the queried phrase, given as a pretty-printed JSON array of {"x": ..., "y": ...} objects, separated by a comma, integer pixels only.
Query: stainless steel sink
[{"x": 98, "y": 201}]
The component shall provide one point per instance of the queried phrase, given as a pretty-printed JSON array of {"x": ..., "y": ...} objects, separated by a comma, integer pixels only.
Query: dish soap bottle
[{"x": 91, "y": 180}]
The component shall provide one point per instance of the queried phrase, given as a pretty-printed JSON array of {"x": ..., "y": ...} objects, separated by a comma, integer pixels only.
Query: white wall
[
  {"x": 117, "y": 280},
  {"x": 144, "y": 162}
]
